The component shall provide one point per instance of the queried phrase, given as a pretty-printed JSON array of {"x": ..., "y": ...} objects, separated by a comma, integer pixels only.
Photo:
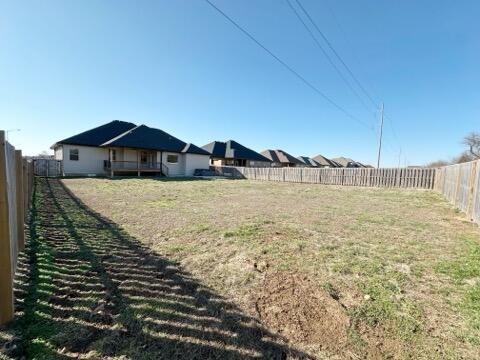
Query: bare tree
[
  {"x": 44, "y": 154},
  {"x": 463, "y": 157},
  {"x": 472, "y": 140},
  {"x": 438, "y": 163}
]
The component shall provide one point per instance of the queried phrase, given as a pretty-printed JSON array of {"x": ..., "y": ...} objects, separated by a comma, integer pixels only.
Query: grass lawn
[{"x": 273, "y": 270}]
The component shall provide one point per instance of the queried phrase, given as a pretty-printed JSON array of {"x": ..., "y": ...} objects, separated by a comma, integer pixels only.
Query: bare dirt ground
[{"x": 306, "y": 270}]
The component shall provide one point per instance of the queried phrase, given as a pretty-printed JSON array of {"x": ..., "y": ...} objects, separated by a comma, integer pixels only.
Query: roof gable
[
  {"x": 347, "y": 162},
  {"x": 323, "y": 161},
  {"x": 145, "y": 137},
  {"x": 281, "y": 156},
  {"x": 233, "y": 150},
  {"x": 100, "y": 134},
  {"x": 216, "y": 148},
  {"x": 238, "y": 151},
  {"x": 308, "y": 161}
]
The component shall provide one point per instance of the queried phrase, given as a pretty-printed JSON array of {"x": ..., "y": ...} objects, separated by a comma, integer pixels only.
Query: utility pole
[{"x": 380, "y": 139}]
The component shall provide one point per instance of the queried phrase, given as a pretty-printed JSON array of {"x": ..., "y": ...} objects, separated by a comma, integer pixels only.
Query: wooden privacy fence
[
  {"x": 460, "y": 184},
  {"x": 16, "y": 183},
  {"x": 47, "y": 167},
  {"x": 405, "y": 178}
]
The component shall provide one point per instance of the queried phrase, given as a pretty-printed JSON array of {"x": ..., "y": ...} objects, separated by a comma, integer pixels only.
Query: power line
[
  {"x": 336, "y": 54},
  {"x": 312, "y": 35},
  {"x": 395, "y": 134},
  {"x": 286, "y": 66},
  {"x": 348, "y": 41},
  {"x": 344, "y": 63}
]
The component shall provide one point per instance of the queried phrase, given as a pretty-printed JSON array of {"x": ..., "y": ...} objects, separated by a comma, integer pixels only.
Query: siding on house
[
  {"x": 128, "y": 141},
  {"x": 195, "y": 161},
  {"x": 177, "y": 169},
  {"x": 90, "y": 160}
]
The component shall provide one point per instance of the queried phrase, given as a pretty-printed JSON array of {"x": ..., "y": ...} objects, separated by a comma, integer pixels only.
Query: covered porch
[{"x": 134, "y": 161}]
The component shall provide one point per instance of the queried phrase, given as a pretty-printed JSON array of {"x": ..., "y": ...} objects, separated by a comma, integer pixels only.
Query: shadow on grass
[
  {"x": 157, "y": 178},
  {"x": 88, "y": 289}
]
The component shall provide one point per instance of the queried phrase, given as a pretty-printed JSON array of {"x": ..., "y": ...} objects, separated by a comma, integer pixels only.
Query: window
[
  {"x": 143, "y": 157},
  {"x": 74, "y": 154},
  {"x": 172, "y": 159}
]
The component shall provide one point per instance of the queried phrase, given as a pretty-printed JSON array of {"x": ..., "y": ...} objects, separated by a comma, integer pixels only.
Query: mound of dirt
[{"x": 301, "y": 311}]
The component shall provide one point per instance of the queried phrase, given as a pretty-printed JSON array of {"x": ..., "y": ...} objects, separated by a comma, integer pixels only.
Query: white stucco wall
[
  {"x": 177, "y": 169},
  {"x": 90, "y": 160},
  {"x": 195, "y": 161}
]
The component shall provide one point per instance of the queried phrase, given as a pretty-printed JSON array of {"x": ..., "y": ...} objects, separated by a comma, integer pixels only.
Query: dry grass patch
[{"x": 388, "y": 273}]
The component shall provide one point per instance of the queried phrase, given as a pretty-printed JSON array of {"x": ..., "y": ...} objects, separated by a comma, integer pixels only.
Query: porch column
[
  {"x": 161, "y": 163},
  {"x": 110, "y": 156},
  {"x": 138, "y": 163}
]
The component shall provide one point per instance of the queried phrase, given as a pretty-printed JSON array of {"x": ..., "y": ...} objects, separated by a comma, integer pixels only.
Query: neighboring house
[
  {"x": 120, "y": 147},
  {"x": 281, "y": 158},
  {"x": 347, "y": 162},
  {"x": 308, "y": 161},
  {"x": 322, "y": 161},
  {"x": 231, "y": 153}
]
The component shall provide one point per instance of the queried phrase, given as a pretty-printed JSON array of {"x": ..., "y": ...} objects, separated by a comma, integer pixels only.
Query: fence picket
[{"x": 385, "y": 177}]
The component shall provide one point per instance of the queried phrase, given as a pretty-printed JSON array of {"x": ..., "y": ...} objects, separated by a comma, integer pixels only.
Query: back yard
[{"x": 239, "y": 269}]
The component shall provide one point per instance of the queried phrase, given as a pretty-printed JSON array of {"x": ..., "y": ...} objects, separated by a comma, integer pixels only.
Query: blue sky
[{"x": 67, "y": 66}]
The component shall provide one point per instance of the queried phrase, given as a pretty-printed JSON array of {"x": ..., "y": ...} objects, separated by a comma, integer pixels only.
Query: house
[
  {"x": 308, "y": 161},
  {"x": 231, "y": 153},
  {"x": 322, "y": 161},
  {"x": 347, "y": 162},
  {"x": 281, "y": 158},
  {"x": 123, "y": 148}
]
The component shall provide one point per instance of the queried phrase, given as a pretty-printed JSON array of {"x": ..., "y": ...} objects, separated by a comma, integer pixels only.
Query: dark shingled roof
[
  {"x": 308, "y": 161},
  {"x": 280, "y": 156},
  {"x": 194, "y": 149},
  {"x": 323, "y": 161},
  {"x": 144, "y": 137},
  {"x": 125, "y": 134},
  {"x": 233, "y": 150},
  {"x": 347, "y": 162},
  {"x": 100, "y": 134}
]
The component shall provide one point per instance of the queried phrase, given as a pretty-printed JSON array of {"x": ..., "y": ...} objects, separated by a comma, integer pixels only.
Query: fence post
[
  {"x": 30, "y": 182},
  {"x": 20, "y": 201},
  {"x": 6, "y": 275},
  {"x": 472, "y": 184},
  {"x": 25, "y": 188}
]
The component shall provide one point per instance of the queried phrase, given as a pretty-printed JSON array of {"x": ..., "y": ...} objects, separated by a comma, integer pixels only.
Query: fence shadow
[{"x": 95, "y": 290}]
